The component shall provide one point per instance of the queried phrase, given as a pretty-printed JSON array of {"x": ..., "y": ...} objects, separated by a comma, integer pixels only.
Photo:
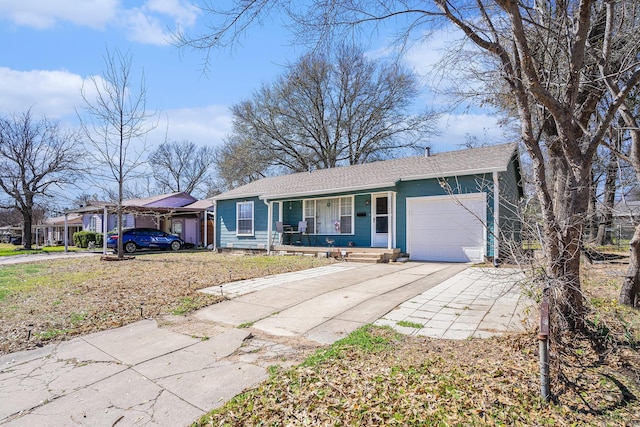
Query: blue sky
[{"x": 50, "y": 47}]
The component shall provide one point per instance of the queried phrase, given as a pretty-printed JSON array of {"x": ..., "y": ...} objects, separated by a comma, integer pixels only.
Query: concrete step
[{"x": 364, "y": 257}]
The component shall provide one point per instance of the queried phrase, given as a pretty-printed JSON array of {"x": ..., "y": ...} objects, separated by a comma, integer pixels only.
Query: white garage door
[{"x": 447, "y": 228}]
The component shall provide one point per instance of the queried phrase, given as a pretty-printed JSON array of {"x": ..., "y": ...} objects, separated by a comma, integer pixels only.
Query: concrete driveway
[{"x": 142, "y": 374}]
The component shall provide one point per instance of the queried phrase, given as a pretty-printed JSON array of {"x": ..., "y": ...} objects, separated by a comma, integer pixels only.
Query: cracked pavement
[{"x": 171, "y": 371}]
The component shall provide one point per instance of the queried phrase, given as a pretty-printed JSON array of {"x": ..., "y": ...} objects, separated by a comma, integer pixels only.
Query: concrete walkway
[
  {"x": 142, "y": 374},
  {"x": 44, "y": 256}
]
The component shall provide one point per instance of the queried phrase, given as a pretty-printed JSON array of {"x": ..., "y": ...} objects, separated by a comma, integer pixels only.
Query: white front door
[{"x": 380, "y": 217}]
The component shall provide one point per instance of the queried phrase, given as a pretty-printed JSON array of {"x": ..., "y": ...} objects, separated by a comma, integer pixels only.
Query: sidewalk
[
  {"x": 44, "y": 256},
  {"x": 142, "y": 374}
]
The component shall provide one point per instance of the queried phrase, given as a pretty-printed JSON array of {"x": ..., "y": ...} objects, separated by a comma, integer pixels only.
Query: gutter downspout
[
  {"x": 269, "y": 225},
  {"x": 215, "y": 226},
  {"x": 206, "y": 219},
  {"x": 496, "y": 219}
]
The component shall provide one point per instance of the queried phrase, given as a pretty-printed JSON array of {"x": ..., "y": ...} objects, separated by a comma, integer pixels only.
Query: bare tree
[
  {"x": 10, "y": 217},
  {"x": 116, "y": 124},
  {"x": 36, "y": 158},
  {"x": 329, "y": 111},
  {"x": 240, "y": 161},
  {"x": 181, "y": 166},
  {"x": 559, "y": 62}
]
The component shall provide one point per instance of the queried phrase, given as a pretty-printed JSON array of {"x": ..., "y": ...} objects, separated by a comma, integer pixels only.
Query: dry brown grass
[
  {"x": 56, "y": 300},
  {"x": 378, "y": 377}
]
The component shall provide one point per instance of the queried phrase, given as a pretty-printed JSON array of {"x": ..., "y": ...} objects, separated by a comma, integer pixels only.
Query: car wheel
[
  {"x": 175, "y": 245},
  {"x": 130, "y": 247}
]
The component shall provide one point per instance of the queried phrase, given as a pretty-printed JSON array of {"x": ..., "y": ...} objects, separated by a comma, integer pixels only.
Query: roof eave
[
  {"x": 455, "y": 173},
  {"x": 327, "y": 191}
]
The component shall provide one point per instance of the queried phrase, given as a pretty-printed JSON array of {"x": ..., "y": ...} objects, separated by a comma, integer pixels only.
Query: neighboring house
[
  {"x": 626, "y": 215},
  {"x": 439, "y": 207},
  {"x": 176, "y": 213},
  {"x": 52, "y": 231}
]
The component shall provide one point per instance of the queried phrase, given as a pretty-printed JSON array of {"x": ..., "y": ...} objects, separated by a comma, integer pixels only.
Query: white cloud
[
  {"x": 183, "y": 13},
  {"x": 456, "y": 128},
  {"x": 41, "y": 14},
  {"x": 145, "y": 29},
  {"x": 203, "y": 126},
  {"x": 151, "y": 22},
  {"x": 52, "y": 93}
]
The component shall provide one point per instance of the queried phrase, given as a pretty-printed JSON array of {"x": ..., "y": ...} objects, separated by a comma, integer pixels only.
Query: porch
[{"x": 349, "y": 254}]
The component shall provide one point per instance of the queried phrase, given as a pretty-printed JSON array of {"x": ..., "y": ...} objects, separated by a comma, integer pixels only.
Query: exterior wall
[
  {"x": 361, "y": 237},
  {"x": 435, "y": 187},
  {"x": 129, "y": 222},
  {"x": 145, "y": 221},
  {"x": 226, "y": 225}
]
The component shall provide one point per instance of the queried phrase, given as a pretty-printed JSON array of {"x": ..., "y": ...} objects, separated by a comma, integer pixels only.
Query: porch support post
[
  {"x": 215, "y": 226},
  {"x": 496, "y": 218},
  {"x": 105, "y": 230},
  {"x": 269, "y": 225},
  {"x": 206, "y": 219},
  {"x": 66, "y": 232}
]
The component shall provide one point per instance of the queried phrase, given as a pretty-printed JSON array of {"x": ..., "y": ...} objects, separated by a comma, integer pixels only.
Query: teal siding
[
  {"x": 226, "y": 225},
  {"x": 361, "y": 236},
  {"x": 435, "y": 187},
  {"x": 509, "y": 183}
]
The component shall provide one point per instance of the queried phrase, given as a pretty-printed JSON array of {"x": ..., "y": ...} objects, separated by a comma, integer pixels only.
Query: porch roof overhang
[
  {"x": 324, "y": 192},
  {"x": 161, "y": 211}
]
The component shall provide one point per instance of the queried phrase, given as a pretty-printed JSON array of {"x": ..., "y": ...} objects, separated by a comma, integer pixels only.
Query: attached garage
[{"x": 447, "y": 228}]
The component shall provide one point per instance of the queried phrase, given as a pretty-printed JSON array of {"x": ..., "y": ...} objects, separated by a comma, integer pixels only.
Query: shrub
[{"x": 82, "y": 238}]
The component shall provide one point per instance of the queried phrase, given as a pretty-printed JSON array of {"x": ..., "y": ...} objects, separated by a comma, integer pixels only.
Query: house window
[
  {"x": 329, "y": 216},
  {"x": 92, "y": 223},
  {"x": 244, "y": 218}
]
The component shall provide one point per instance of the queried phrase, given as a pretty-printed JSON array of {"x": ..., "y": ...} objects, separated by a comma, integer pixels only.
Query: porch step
[{"x": 365, "y": 257}]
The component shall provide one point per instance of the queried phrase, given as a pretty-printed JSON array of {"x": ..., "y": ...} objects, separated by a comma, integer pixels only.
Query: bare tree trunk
[
  {"x": 26, "y": 229},
  {"x": 592, "y": 212},
  {"x": 630, "y": 292},
  {"x": 606, "y": 216}
]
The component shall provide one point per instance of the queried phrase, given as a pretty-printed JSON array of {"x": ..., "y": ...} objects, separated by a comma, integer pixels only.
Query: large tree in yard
[
  {"x": 37, "y": 157},
  {"x": 330, "y": 110},
  {"x": 568, "y": 68}
]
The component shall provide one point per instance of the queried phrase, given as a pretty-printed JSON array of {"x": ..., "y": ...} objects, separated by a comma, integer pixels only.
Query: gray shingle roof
[{"x": 378, "y": 174}]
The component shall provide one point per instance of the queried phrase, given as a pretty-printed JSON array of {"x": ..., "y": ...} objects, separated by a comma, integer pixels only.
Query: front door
[{"x": 380, "y": 221}]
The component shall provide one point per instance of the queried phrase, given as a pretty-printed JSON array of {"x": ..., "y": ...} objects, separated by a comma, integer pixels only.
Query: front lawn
[
  {"x": 7, "y": 249},
  {"x": 58, "y": 299}
]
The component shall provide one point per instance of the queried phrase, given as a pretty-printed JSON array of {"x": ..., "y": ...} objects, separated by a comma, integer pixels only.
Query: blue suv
[{"x": 145, "y": 238}]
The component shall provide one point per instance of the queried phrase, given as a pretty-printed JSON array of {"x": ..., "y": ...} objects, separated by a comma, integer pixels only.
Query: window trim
[
  {"x": 316, "y": 202},
  {"x": 238, "y": 219}
]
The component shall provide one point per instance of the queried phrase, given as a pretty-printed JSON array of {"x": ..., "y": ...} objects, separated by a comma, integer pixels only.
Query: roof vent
[{"x": 427, "y": 151}]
